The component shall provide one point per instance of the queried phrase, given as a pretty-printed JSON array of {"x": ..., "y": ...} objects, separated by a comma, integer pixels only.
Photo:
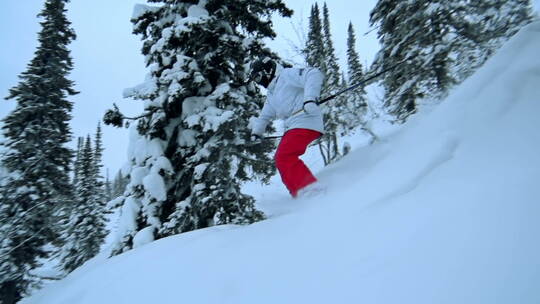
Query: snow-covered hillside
[{"x": 443, "y": 211}]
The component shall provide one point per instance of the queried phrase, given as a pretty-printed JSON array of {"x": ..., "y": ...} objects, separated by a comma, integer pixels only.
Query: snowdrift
[{"x": 443, "y": 211}]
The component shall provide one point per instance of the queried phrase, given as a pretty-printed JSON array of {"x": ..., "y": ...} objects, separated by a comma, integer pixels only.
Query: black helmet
[{"x": 263, "y": 71}]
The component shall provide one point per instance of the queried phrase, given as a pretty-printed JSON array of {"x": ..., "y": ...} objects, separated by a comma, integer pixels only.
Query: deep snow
[{"x": 445, "y": 210}]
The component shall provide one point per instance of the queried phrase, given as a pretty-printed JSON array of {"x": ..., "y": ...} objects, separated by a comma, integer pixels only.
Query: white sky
[{"x": 107, "y": 55}]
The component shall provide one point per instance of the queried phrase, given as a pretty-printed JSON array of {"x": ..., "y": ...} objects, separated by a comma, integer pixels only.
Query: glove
[
  {"x": 311, "y": 107},
  {"x": 255, "y": 137},
  {"x": 257, "y": 129}
]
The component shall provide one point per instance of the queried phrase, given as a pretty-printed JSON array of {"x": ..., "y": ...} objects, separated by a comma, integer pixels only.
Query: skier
[{"x": 290, "y": 90}]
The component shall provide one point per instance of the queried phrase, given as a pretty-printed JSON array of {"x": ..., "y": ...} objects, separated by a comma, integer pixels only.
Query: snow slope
[{"x": 443, "y": 211}]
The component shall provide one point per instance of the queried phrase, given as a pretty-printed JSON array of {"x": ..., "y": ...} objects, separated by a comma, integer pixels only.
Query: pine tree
[
  {"x": 108, "y": 187},
  {"x": 36, "y": 158},
  {"x": 98, "y": 157},
  {"x": 319, "y": 53},
  {"x": 333, "y": 111},
  {"x": 355, "y": 68},
  {"x": 493, "y": 23},
  {"x": 333, "y": 74},
  {"x": 64, "y": 213},
  {"x": 425, "y": 38},
  {"x": 85, "y": 231},
  {"x": 404, "y": 34},
  {"x": 119, "y": 185},
  {"x": 357, "y": 107},
  {"x": 315, "y": 50},
  {"x": 192, "y": 150},
  {"x": 77, "y": 162}
]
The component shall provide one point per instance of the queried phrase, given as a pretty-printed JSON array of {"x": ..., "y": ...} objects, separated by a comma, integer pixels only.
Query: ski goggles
[{"x": 258, "y": 76}]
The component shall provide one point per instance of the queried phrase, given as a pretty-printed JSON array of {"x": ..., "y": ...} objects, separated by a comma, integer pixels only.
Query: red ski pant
[{"x": 294, "y": 173}]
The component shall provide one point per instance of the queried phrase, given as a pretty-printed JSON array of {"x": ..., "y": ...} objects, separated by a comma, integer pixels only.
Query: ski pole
[
  {"x": 273, "y": 137},
  {"x": 324, "y": 100}
]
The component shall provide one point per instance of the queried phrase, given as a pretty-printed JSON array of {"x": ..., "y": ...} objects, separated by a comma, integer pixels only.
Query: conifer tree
[
  {"x": 192, "y": 148},
  {"x": 119, "y": 185},
  {"x": 493, "y": 23},
  {"x": 357, "y": 107},
  {"x": 315, "y": 50},
  {"x": 98, "y": 148},
  {"x": 64, "y": 213},
  {"x": 77, "y": 162},
  {"x": 407, "y": 32},
  {"x": 36, "y": 157},
  {"x": 333, "y": 74},
  {"x": 85, "y": 231},
  {"x": 98, "y": 165},
  {"x": 319, "y": 53},
  {"x": 333, "y": 112},
  {"x": 355, "y": 68},
  {"x": 108, "y": 187},
  {"x": 425, "y": 38}
]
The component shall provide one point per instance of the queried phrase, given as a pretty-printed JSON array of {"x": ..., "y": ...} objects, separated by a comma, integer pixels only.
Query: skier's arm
[
  {"x": 313, "y": 80},
  {"x": 258, "y": 125}
]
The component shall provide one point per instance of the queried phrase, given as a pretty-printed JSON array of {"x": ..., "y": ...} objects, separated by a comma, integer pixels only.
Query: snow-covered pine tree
[
  {"x": 355, "y": 68},
  {"x": 333, "y": 74},
  {"x": 77, "y": 162},
  {"x": 190, "y": 150},
  {"x": 85, "y": 231},
  {"x": 108, "y": 187},
  {"x": 98, "y": 165},
  {"x": 63, "y": 214},
  {"x": 119, "y": 185},
  {"x": 492, "y": 23},
  {"x": 357, "y": 106},
  {"x": 407, "y": 30},
  {"x": 3, "y": 171},
  {"x": 333, "y": 111},
  {"x": 430, "y": 35},
  {"x": 314, "y": 50},
  {"x": 319, "y": 53},
  {"x": 36, "y": 157}
]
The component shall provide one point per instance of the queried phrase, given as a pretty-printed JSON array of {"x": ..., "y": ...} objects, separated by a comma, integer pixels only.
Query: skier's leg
[{"x": 294, "y": 173}]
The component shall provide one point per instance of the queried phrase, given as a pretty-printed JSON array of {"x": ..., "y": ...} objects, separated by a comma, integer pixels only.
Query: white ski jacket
[{"x": 287, "y": 92}]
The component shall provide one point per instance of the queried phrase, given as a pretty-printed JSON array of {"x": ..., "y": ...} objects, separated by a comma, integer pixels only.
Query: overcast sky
[{"x": 107, "y": 55}]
